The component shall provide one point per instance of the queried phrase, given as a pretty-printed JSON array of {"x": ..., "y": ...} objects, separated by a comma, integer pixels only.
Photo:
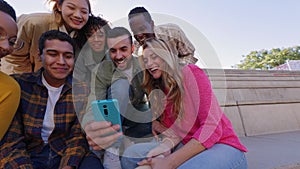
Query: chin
[{"x": 77, "y": 27}]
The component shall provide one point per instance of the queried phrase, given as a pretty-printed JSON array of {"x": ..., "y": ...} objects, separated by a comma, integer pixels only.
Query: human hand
[
  {"x": 99, "y": 135},
  {"x": 158, "y": 128},
  {"x": 156, "y": 163},
  {"x": 160, "y": 150}
]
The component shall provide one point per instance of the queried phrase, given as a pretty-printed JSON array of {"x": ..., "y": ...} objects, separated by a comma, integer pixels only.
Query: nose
[
  {"x": 61, "y": 60},
  {"x": 96, "y": 38},
  {"x": 5, "y": 44},
  {"x": 77, "y": 13},
  {"x": 5, "y": 48},
  {"x": 119, "y": 54},
  {"x": 149, "y": 63}
]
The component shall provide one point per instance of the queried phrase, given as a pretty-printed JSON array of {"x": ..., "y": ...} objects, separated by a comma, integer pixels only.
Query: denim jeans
[
  {"x": 48, "y": 159},
  {"x": 220, "y": 156}
]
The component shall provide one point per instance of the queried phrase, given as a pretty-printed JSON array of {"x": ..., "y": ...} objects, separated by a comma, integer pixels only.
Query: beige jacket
[{"x": 31, "y": 27}]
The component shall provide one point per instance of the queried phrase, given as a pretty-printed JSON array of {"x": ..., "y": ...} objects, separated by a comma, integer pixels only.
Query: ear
[
  {"x": 58, "y": 7},
  {"x": 40, "y": 56},
  {"x": 132, "y": 48},
  {"x": 152, "y": 24}
]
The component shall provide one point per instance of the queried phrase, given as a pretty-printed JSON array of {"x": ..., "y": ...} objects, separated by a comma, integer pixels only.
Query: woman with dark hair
[
  {"x": 68, "y": 16},
  {"x": 94, "y": 51}
]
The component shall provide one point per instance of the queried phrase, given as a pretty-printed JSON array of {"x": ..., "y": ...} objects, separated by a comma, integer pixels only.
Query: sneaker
[{"x": 111, "y": 158}]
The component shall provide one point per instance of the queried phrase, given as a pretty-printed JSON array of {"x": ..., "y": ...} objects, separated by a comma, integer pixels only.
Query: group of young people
[{"x": 62, "y": 61}]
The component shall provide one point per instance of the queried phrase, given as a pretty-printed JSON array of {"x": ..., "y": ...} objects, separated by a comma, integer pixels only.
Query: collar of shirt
[{"x": 62, "y": 28}]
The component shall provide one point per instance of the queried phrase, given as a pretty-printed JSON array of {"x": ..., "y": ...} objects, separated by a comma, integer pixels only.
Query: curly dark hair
[{"x": 95, "y": 23}]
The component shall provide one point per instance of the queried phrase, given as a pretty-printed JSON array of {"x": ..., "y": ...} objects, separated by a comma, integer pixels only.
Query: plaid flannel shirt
[{"x": 24, "y": 134}]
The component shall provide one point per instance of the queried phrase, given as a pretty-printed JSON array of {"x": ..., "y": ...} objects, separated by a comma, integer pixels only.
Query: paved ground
[{"x": 273, "y": 151}]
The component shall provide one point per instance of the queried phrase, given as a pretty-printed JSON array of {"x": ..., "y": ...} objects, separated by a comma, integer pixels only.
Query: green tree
[{"x": 267, "y": 59}]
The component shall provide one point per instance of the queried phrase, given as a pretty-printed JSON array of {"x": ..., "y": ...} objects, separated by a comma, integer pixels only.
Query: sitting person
[
  {"x": 94, "y": 51},
  {"x": 45, "y": 132},
  {"x": 143, "y": 27},
  {"x": 10, "y": 90},
  {"x": 67, "y": 16},
  {"x": 187, "y": 105},
  {"x": 119, "y": 79}
]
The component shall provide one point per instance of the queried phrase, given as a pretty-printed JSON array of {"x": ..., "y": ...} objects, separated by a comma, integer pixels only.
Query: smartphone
[{"x": 107, "y": 110}]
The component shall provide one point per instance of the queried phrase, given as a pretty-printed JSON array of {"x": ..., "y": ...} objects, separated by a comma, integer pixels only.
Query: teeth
[
  {"x": 153, "y": 69},
  {"x": 121, "y": 61}
]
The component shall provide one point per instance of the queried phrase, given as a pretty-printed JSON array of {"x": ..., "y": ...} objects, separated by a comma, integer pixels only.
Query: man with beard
[{"x": 122, "y": 72}]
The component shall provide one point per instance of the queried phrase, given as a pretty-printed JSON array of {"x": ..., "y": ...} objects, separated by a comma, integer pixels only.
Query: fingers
[
  {"x": 146, "y": 161},
  {"x": 103, "y": 142},
  {"x": 102, "y": 134},
  {"x": 96, "y": 125},
  {"x": 155, "y": 135}
]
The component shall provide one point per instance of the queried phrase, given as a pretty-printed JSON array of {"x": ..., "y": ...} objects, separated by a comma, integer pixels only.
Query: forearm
[
  {"x": 192, "y": 148},
  {"x": 14, "y": 155}
]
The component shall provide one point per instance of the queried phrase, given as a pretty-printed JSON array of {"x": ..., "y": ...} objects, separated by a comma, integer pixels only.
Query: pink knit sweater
[{"x": 203, "y": 118}]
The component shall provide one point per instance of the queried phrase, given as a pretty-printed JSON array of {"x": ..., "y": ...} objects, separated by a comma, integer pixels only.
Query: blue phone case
[{"x": 107, "y": 110}]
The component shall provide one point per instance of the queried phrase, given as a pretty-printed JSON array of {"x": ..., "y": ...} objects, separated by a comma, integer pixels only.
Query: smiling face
[
  {"x": 8, "y": 30},
  {"x": 120, "y": 50},
  {"x": 153, "y": 63},
  {"x": 75, "y": 13},
  {"x": 141, "y": 28},
  {"x": 97, "y": 40},
  {"x": 58, "y": 61}
]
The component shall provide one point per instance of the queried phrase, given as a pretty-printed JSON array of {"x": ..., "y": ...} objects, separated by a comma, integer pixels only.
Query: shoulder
[
  {"x": 34, "y": 19},
  {"x": 192, "y": 72},
  {"x": 8, "y": 83},
  {"x": 107, "y": 65},
  {"x": 26, "y": 78},
  {"x": 192, "y": 68},
  {"x": 105, "y": 69},
  {"x": 168, "y": 26}
]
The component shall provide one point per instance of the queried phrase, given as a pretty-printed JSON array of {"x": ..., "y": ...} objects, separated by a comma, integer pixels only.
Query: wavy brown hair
[{"x": 170, "y": 83}]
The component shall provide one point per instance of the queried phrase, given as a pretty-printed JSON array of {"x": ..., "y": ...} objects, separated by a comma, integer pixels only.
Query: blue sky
[{"x": 231, "y": 27}]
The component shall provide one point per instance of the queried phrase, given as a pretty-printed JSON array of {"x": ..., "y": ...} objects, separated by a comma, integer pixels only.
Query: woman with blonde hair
[
  {"x": 183, "y": 102},
  {"x": 67, "y": 16}
]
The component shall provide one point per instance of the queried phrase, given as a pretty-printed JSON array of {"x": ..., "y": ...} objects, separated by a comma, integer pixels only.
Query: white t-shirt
[{"x": 48, "y": 123}]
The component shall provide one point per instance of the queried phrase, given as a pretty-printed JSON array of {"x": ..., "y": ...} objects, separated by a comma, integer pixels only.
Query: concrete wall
[{"x": 258, "y": 102}]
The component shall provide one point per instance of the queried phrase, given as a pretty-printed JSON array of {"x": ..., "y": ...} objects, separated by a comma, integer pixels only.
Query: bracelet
[{"x": 166, "y": 138}]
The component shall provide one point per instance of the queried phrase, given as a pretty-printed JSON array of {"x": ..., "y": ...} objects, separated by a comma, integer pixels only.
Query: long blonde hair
[{"x": 171, "y": 82}]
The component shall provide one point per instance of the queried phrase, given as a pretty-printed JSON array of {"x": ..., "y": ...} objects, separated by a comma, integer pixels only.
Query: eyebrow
[
  {"x": 74, "y": 5},
  {"x": 53, "y": 50},
  {"x": 122, "y": 47}
]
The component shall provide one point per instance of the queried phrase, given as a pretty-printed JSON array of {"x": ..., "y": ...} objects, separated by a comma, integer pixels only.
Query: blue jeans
[
  {"x": 220, "y": 156},
  {"x": 48, "y": 159}
]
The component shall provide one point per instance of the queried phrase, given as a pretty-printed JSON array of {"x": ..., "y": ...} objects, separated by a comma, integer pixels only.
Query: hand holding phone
[{"x": 107, "y": 110}]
